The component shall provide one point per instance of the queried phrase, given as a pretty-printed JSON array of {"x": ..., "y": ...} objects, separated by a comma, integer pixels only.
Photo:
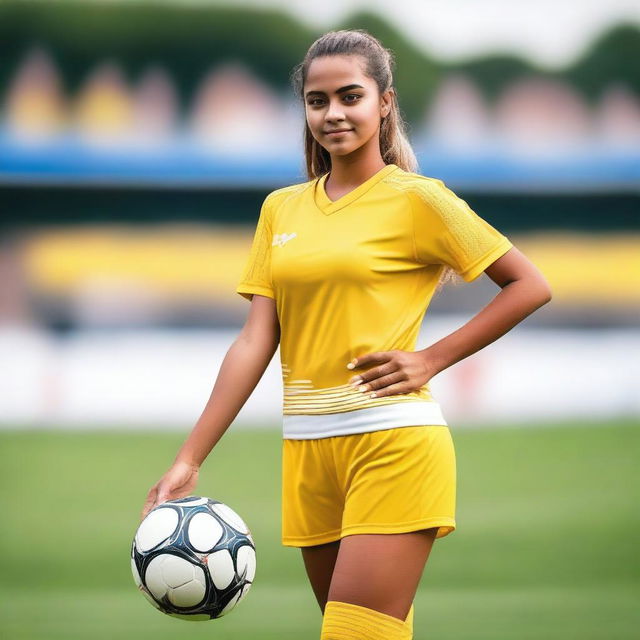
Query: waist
[
  {"x": 302, "y": 398},
  {"x": 386, "y": 416}
]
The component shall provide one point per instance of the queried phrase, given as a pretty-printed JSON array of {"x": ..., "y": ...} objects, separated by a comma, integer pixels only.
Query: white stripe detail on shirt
[{"x": 307, "y": 427}]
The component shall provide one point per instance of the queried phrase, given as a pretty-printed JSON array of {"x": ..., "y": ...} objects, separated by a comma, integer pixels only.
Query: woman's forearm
[
  {"x": 512, "y": 304},
  {"x": 241, "y": 370}
]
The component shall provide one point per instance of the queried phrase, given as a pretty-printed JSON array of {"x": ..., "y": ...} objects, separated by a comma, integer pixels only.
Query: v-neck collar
[{"x": 328, "y": 206}]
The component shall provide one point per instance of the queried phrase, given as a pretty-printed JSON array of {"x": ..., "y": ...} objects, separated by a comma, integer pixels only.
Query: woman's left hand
[{"x": 397, "y": 372}]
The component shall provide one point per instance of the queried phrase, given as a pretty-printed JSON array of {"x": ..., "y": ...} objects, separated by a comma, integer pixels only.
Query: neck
[{"x": 355, "y": 168}]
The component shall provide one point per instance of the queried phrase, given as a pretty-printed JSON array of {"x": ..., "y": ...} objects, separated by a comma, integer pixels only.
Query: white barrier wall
[{"x": 162, "y": 379}]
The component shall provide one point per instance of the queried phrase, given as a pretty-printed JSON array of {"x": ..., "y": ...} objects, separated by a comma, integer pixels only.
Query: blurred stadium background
[{"x": 137, "y": 142}]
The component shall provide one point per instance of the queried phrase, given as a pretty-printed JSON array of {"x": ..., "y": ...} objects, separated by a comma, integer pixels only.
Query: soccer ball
[{"x": 193, "y": 558}]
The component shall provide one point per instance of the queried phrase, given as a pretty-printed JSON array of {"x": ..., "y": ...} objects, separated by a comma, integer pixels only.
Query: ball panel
[
  {"x": 155, "y": 528},
  {"x": 188, "y": 595},
  {"x": 230, "y": 516},
  {"x": 193, "y": 617},
  {"x": 230, "y": 605},
  {"x": 244, "y": 592},
  {"x": 190, "y": 502},
  {"x": 136, "y": 574},
  {"x": 153, "y": 578},
  {"x": 151, "y": 600},
  {"x": 176, "y": 571},
  {"x": 247, "y": 562},
  {"x": 204, "y": 532},
  {"x": 221, "y": 568}
]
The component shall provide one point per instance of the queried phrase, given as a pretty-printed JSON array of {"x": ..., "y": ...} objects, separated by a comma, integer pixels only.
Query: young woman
[{"x": 340, "y": 274}]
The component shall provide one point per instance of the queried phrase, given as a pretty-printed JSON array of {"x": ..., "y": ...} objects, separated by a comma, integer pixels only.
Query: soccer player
[{"x": 340, "y": 274}]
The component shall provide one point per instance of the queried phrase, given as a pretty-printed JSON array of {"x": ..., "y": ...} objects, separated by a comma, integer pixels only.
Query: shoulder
[
  {"x": 431, "y": 197},
  {"x": 418, "y": 187},
  {"x": 275, "y": 198}
]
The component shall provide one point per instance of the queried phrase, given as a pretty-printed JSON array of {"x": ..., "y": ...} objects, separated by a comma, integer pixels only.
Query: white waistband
[{"x": 402, "y": 414}]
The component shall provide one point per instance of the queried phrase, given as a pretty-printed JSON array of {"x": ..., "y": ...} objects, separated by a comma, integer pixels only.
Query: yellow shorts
[{"x": 388, "y": 481}]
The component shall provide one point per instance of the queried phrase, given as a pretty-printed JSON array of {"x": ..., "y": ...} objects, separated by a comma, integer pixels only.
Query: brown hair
[{"x": 379, "y": 63}]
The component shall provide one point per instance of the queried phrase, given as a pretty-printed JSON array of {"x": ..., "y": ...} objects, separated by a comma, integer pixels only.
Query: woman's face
[{"x": 338, "y": 95}]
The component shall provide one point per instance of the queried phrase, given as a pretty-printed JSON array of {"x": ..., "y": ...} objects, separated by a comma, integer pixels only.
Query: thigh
[
  {"x": 401, "y": 480},
  {"x": 319, "y": 562},
  {"x": 381, "y": 571},
  {"x": 312, "y": 502}
]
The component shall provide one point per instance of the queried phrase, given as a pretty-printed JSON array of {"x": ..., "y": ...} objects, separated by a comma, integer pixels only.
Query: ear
[{"x": 386, "y": 102}]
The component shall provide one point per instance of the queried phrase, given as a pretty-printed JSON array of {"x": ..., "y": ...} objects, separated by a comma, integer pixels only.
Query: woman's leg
[
  {"x": 319, "y": 562},
  {"x": 392, "y": 479},
  {"x": 381, "y": 571}
]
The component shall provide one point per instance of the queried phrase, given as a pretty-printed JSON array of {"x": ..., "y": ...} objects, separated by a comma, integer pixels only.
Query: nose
[{"x": 335, "y": 112}]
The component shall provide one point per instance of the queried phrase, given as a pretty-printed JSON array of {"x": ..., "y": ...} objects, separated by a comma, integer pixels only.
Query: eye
[{"x": 313, "y": 102}]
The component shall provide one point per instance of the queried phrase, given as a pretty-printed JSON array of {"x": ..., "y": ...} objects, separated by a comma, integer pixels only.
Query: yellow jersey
[{"x": 355, "y": 276}]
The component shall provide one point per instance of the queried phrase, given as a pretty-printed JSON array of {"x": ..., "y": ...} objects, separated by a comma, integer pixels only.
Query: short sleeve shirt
[{"x": 355, "y": 276}]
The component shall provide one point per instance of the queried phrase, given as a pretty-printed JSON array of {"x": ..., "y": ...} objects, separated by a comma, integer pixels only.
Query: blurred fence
[
  {"x": 162, "y": 380},
  {"x": 133, "y": 162}
]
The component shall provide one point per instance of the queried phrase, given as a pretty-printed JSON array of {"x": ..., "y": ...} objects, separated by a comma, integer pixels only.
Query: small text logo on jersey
[{"x": 279, "y": 239}]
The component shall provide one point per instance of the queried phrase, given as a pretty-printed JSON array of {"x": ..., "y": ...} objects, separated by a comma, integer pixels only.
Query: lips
[{"x": 337, "y": 131}]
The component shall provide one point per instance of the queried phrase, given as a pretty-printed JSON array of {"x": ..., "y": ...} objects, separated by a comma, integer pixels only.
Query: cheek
[
  {"x": 367, "y": 119},
  {"x": 315, "y": 122}
]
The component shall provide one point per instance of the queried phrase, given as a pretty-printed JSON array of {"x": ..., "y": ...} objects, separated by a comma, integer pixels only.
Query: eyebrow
[{"x": 340, "y": 90}]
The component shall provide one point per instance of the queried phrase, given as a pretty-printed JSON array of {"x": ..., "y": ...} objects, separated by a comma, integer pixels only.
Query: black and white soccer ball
[{"x": 193, "y": 558}]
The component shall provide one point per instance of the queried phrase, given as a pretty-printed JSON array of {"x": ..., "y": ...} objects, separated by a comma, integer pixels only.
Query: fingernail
[
  {"x": 362, "y": 387},
  {"x": 356, "y": 380},
  {"x": 350, "y": 365},
  {"x": 373, "y": 395}
]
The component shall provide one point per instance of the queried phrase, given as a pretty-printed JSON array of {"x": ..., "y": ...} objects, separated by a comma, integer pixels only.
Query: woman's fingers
[
  {"x": 150, "y": 501},
  {"x": 400, "y": 387},
  {"x": 384, "y": 381},
  {"x": 176, "y": 483},
  {"x": 372, "y": 374}
]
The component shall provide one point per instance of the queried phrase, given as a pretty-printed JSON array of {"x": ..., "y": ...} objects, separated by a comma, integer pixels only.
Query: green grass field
[{"x": 546, "y": 545}]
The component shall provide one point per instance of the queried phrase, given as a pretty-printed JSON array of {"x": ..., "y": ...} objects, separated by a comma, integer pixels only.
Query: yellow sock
[{"x": 346, "y": 621}]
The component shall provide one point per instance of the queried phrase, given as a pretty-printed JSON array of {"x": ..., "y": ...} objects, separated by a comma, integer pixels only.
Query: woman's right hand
[{"x": 179, "y": 481}]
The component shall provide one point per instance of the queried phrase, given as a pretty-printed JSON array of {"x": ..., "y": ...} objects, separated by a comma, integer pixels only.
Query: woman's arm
[
  {"x": 240, "y": 372},
  {"x": 523, "y": 290}
]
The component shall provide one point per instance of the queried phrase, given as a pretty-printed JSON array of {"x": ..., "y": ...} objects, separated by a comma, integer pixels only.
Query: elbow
[
  {"x": 260, "y": 338},
  {"x": 536, "y": 289},
  {"x": 545, "y": 293}
]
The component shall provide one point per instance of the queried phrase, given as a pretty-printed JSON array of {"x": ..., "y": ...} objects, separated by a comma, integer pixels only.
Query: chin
[
  {"x": 341, "y": 151},
  {"x": 337, "y": 150},
  {"x": 344, "y": 149}
]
